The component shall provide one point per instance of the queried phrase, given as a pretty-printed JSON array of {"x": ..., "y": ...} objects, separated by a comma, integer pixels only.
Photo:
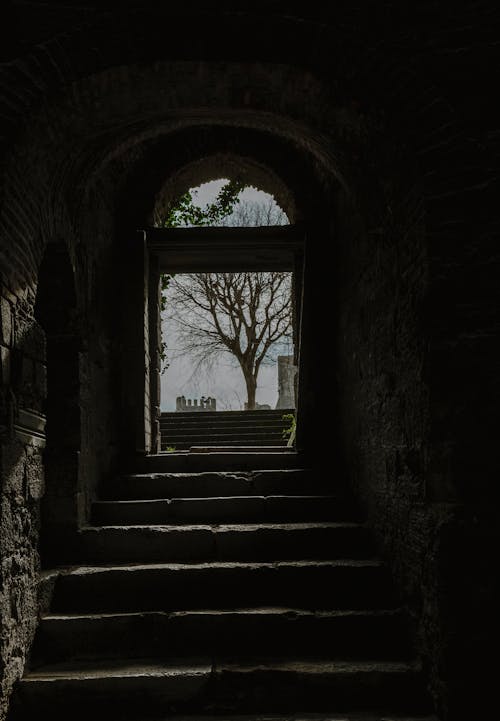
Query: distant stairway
[
  {"x": 222, "y": 586},
  {"x": 223, "y": 428}
]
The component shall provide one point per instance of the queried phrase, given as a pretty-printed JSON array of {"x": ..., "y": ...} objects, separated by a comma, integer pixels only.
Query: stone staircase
[
  {"x": 223, "y": 428},
  {"x": 222, "y": 586}
]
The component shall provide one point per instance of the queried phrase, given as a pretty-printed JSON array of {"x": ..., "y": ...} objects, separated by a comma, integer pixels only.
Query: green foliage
[
  {"x": 170, "y": 449},
  {"x": 184, "y": 212},
  {"x": 164, "y": 282},
  {"x": 287, "y": 432},
  {"x": 163, "y": 357}
]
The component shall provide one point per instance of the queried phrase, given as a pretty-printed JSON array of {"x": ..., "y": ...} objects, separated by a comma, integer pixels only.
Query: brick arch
[
  {"x": 104, "y": 42},
  {"x": 367, "y": 79},
  {"x": 134, "y": 111},
  {"x": 172, "y": 163}
]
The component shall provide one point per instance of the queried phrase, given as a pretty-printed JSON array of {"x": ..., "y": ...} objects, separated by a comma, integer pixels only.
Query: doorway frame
[{"x": 222, "y": 250}]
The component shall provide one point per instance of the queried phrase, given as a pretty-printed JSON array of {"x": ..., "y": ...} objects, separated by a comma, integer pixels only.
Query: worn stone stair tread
[
  {"x": 226, "y": 633},
  {"x": 207, "y": 438},
  {"x": 250, "y": 527},
  {"x": 233, "y": 414},
  {"x": 204, "y": 445},
  {"x": 315, "y": 666},
  {"x": 285, "y": 473},
  {"x": 279, "y": 611},
  {"x": 270, "y": 508},
  {"x": 215, "y": 421},
  {"x": 238, "y": 631},
  {"x": 253, "y": 439},
  {"x": 222, "y": 459},
  {"x": 224, "y": 417},
  {"x": 214, "y": 432},
  {"x": 209, "y": 684},
  {"x": 337, "y": 563},
  {"x": 226, "y": 509},
  {"x": 306, "y": 716},
  {"x": 223, "y": 584},
  {"x": 237, "y": 541},
  {"x": 227, "y": 453},
  {"x": 236, "y": 499},
  {"x": 192, "y": 483},
  {"x": 277, "y": 497},
  {"x": 328, "y": 716},
  {"x": 207, "y": 472},
  {"x": 325, "y": 716},
  {"x": 240, "y": 449},
  {"x": 250, "y": 477},
  {"x": 117, "y": 669},
  {"x": 92, "y": 669},
  {"x": 198, "y": 429},
  {"x": 207, "y": 445},
  {"x": 221, "y": 417}
]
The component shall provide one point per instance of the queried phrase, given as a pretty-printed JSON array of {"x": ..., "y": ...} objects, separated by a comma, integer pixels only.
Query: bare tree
[
  {"x": 252, "y": 213},
  {"x": 243, "y": 314}
]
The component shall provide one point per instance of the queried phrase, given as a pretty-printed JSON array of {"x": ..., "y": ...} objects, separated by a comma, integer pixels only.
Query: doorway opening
[{"x": 229, "y": 307}]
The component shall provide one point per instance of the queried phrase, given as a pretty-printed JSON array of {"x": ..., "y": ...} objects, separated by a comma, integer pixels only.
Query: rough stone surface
[
  {"x": 234, "y": 634},
  {"x": 372, "y": 125}
]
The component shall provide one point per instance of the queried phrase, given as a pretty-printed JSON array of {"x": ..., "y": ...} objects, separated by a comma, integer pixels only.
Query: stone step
[
  {"x": 216, "y": 437},
  {"x": 230, "y": 634},
  {"x": 229, "y": 440},
  {"x": 219, "y": 460},
  {"x": 221, "y": 429},
  {"x": 230, "y": 509},
  {"x": 213, "y": 436},
  {"x": 185, "y": 442},
  {"x": 223, "y": 422},
  {"x": 228, "y": 415},
  {"x": 240, "y": 450},
  {"x": 151, "y": 686},
  {"x": 241, "y": 542},
  {"x": 197, "y": 445},
  {"x": 167, "y": 449},
  {"x": 306, "y": 716},
  {"x": 144, "y": 486},
  {"x": 341, "y": 584}
]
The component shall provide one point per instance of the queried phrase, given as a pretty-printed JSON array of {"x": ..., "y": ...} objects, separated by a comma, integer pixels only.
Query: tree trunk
[{"x": 251, "y": 383}]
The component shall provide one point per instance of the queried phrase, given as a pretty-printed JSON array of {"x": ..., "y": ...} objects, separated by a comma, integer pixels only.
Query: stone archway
[{"x": 396, "y": 239}]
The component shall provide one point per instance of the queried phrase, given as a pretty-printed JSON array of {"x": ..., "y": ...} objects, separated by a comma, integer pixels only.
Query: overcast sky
[{"x": 225, "y": 381}]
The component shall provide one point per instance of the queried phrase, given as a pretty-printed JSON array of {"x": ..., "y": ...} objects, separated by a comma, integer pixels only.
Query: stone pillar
[{"x": 287, "y": 372}]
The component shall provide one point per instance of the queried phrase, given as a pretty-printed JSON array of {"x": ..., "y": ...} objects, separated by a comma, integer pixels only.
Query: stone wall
[
  {"x": 374, "y": 121},
  {"x": 22, "y": 485},
  {"x": 412, "y": 364}
]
